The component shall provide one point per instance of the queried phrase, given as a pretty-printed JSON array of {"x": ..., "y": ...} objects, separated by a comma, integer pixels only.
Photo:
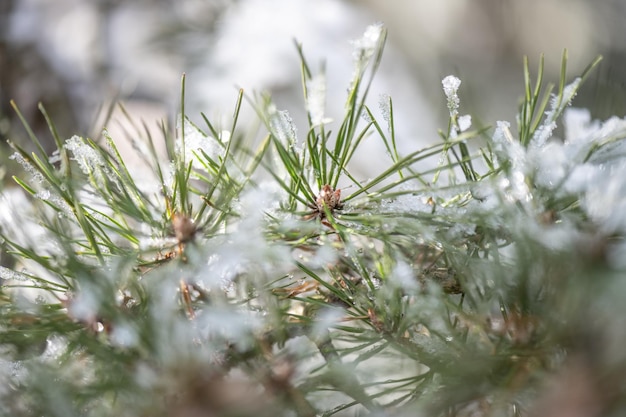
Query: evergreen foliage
[{"x": 249, "y": 274}]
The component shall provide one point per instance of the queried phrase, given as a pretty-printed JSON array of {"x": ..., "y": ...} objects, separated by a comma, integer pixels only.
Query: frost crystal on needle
[
  {"x": 451, "y": 86},
  {"x": 316, "y": 100},
  {"x": 28, "y": 167},
  {"x": 90, "y": 160},
  {"x": 384, "y": 104},
  {"x": 197, "y": 145},
  {"x": 282, "y": 126},
  {"x": 544, "y": 132},
  {"x": 465, "y": 122},
  {"x": 365, "y": 46},
  {"x": 87, "y": 157}
]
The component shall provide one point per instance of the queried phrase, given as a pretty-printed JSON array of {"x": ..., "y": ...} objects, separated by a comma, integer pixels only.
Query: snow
[
  {"x": 451, "y": 86},
  {"x": 404, "y": 277},
  {"x": 316, "y": 100},
  {"x": 508, "y": 149},
  {"x": 384, "y": 104},
  {"x": 365, "y": 46},
  {"x": 7, "y": 274},
  {"x": 584, "y": 166},
  {"x": 196, "y": 144},
  {"x": 89, "y": 160},
  {"x": 124, "y": 335},
  {"x": 544, "y": 132},
  {"x": 28, "y": 167},
  {"x": 465, "y": 122},
  {"x": 282, "y": 126}
]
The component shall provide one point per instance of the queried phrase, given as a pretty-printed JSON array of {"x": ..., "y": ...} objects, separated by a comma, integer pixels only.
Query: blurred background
[{"x": 78, "y": 56}]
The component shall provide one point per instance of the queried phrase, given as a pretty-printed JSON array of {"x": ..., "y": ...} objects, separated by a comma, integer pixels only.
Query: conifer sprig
[{"x": 238, "y": 276}]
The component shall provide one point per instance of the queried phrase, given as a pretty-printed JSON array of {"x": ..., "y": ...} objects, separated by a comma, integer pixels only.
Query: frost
[
  {"x": 282, "y": 126},
  {"x": 465, "y": 122},
  {"x": 327, "y": 318},
  {"x": 552, "y": 165},
  {"x": 384, "y": 104},
  {"x": 514, "y": 188},
  {"x": 246, "y": 249},
  {"x": 17, "y": 220},
  {"x": 507, "y": 149},
  {"x": 43, "y": 194},
  {"x": 85, "y": 305},
  {"x": 460, "y": 231},
  {"x": 12, "y": 373},
  {"x": 196, "y": 145},
  {"x": 363, "y": 50},
  {"x": 56, "y": 346},
  {"x": 544, "y": 132},
  {"x": 578, "y": 125},
  {"x": 11, "y": 275},
  {"x": 451, "y": 86},
  {"x": 366, "y": 117},
  {"x": 404, "y": 277},
  {"x": 230, "y": 325},
  {"x": 152, "y": 242},
  {"x": 87, "y": 157},
  {"x": 90, "y": 161},
  {"x": 325, "y": 255},
  {"x": 55, "y": 157},
  {"x": 365, "y": 46},
  {"x": 407, "y": 203},
  {"x": 124, "y": 335},
  {"x": 28, "y": 167},
  {"x": 316, "y": 101},
  {"x": 604, "y": 197},
  {"x": 581, "y": 178}
]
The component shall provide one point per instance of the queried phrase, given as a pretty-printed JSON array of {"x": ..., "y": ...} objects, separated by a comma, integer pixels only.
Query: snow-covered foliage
[{"x": 260, "y": 276}]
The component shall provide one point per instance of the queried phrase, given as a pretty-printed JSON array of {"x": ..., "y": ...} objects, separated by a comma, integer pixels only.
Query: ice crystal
[
  {"x": 86, "y": 304},
  {"x": 544, "y": 132},
  {"x": 327, "y": 318},
  {"x": 465, "y": 122},
  {"x": 384, "y": 104},
  {"x": 578, "y": 125},
  {"x": 451, "y": 86},
  {"x": 363, "y": 50},
  {"x": 28, "y": 167},
  {"x": 507, "y": 149},
  {"x": 365, "y": 46},
  {"x": 91, "y": 161},
  {"x": 408, "y": 203},
  {"x": 55, "y": 157},
  {"x": 230, "y": 325},
  {"x": 124, "y": 335},
  {"x": 156, "y": 243},
  {"x": 198, "y": 146},
  {"x": 316, "y": 100},
  {"x": 551, "y": 165},
  {"x": 17, "y": 219},
  {"x": 603, "y": 194},
  {"x": 325, "y": 255},
  {"x": 404, "y": 277},
  {"x": 11, "y": 275},
  {"x": 282, "y": 126},
  {"x": 87, "y": 157}
]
